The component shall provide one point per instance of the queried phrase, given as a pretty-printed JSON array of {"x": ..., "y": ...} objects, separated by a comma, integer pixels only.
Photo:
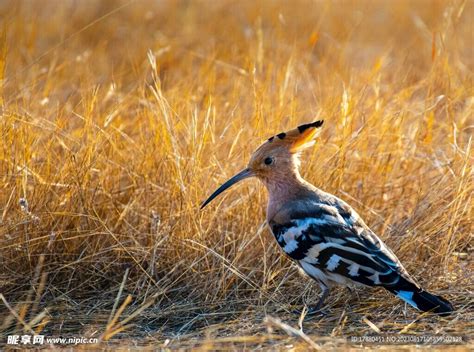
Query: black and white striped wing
[{"x": 332, "y": 244}]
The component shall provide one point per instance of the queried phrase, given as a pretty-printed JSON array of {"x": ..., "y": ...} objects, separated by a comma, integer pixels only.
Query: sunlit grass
[{"x": 119, "y": 118}]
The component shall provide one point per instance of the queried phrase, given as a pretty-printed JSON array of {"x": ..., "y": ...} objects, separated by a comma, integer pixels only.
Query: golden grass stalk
[{"x": 117, "y": 118}]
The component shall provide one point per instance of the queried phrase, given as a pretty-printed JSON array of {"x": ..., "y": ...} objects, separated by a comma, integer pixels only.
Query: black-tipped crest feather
[
  {"x": 315, "y": 124},
  {"x": 301, "y": 129}
]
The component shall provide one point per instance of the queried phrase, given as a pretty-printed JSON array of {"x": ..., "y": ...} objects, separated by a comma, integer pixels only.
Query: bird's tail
[{"x": 420, "y": 299}]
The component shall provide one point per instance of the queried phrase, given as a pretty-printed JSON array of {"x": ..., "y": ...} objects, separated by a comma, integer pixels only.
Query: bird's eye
[{"x": 269, "y": 160}]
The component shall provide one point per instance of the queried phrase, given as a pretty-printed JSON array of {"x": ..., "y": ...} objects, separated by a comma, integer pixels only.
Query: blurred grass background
[{"x": 119, "y": 117}]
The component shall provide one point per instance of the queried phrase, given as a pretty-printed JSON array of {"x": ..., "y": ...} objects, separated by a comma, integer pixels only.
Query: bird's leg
[
  {"x": 312, "y": 310},
  {"x": 317, "y": 308}
]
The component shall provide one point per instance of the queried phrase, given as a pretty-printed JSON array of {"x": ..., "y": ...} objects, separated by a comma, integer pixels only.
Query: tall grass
[{"x": 119, "y": 118}]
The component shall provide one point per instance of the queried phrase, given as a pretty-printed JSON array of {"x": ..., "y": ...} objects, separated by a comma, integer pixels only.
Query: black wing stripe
[
  {"x": 305, "y": 243},
  {"x": 372, "y": 249},
  {"x": 358, "y": 258},
  {"x": 354, "y": 242},
  {"x": 390, "y": 279},
  {"x": 361, "y": 277}
]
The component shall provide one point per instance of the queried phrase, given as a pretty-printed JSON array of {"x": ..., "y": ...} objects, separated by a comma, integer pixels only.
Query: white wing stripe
[{"x": 333, "y": 262}]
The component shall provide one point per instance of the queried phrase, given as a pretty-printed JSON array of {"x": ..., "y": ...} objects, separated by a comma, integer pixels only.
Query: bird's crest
[{"x": 299, "y": 138}]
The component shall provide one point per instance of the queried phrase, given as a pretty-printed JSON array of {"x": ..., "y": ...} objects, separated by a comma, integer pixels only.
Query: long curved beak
[{"x": 246, "y": 173}]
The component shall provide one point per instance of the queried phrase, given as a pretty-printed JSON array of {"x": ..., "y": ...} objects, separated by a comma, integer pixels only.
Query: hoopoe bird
[{"x": 326, "y": 238}]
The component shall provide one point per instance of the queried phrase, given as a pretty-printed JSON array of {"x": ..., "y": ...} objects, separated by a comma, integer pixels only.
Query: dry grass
[{"x": 118, "y": 118}]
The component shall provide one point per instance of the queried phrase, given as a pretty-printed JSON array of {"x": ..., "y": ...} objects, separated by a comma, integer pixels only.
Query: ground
[{"x": 118, "y": 118}]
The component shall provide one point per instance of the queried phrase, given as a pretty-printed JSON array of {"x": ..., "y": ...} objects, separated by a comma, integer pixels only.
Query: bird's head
[{"x": 276, "y": 159}]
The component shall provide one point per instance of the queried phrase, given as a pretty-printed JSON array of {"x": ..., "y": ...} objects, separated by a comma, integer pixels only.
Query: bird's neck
[{"x": 285, "y": 187}]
